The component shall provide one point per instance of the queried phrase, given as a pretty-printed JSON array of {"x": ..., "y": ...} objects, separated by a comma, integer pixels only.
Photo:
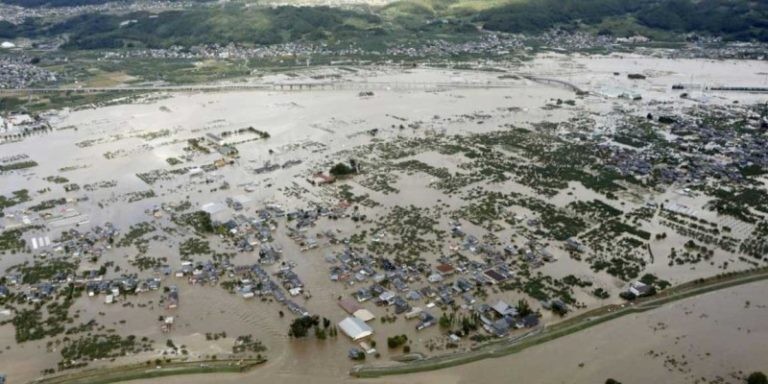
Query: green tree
[
  {"x": 445, "y": 321},
  {"x": 523, "y": 308},
  {"x": 341, "y": 169},
  {"x": 757, "y": 378},
  {"x": 396, "y": 341},
  {"x": 300, "y": 327}
]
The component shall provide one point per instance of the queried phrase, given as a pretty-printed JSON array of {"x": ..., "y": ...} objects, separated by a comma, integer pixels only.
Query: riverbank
[{"x": 145, "y": 371}]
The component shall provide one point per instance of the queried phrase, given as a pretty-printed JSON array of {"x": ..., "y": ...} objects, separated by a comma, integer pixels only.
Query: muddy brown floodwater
[{"x": 717, "y": 336}]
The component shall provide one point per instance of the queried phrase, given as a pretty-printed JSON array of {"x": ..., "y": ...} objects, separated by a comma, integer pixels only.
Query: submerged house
[
  {"x": 363, "y": 294},
  {"x": 640, "y": 289},
  {"x": 355, "y": 328},
  {"x": 426, "y": 320}
]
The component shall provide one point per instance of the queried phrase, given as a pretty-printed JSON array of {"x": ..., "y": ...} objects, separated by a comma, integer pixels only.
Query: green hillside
[{"x": 400, "y": 21}]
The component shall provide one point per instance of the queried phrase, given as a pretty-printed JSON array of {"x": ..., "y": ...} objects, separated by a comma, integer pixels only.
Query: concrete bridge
[
  {"x": 738, "y": 89},
  {"x": 556, "y": 82},
  {"x": 719, "y": 88}
]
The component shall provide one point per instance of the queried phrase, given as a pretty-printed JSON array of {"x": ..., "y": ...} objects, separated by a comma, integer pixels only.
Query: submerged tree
[
  {"x": 523, "y": 308},
  {"x": 300, "y": 326},
  {"x": 757, "y": 378}
]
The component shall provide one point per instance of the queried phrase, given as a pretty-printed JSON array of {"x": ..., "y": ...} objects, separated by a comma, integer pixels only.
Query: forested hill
[
  {"x": 53, "y": 3},
  {"x": 205, "y": 25},
  {"x": 71, "y": 3},
  {"x": 731, "y": 19},
  {"x": 407, "y": 19}
]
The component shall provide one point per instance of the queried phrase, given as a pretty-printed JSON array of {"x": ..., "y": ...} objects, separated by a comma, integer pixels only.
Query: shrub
[
  {"x": 627, "y": 295},
  {"x": 396, "y": 341},
  {"x": 341, "y": 169}
]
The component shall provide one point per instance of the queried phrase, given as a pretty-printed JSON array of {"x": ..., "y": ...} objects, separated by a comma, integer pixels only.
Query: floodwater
[
  {"x": 719, "y": 335},
  {"x": 119, "y": 142}
]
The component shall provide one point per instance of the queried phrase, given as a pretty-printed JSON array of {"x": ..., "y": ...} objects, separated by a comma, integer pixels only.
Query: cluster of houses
[
  {"x": 409, "y": 290},
  {"x": 497, "y": 319},
  {"x": 500, "y": 318},
  {"x": 76, "y": 244},
  {"x": 17, "y": 71},
  {"x": 91, "y": 243},
  {"x": 32, "y": 293},
  {"x": 112, "y": 288},
  {"x": 290, "y": 280},
  {"x": 269, "y": 166},
  {"x": 256, "y": 231},
  {"x": 251, "y": 281},
  {"x": 91, "y": 281},
  {"x": 301, "y": 221},
  {"x": 534, "y": 253},
  {"x": 699, "y": 150},
  {"x": 17, "y": 14},
  {"x": 255, "y": 281},
  {"x": 198, "y": 273},
  {"x": 404, "y": 288}
]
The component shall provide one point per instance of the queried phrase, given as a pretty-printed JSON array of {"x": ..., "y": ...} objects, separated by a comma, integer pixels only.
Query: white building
[
  {"x": 355, "y": 328},
  {"x": 639, "y": 289}
]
